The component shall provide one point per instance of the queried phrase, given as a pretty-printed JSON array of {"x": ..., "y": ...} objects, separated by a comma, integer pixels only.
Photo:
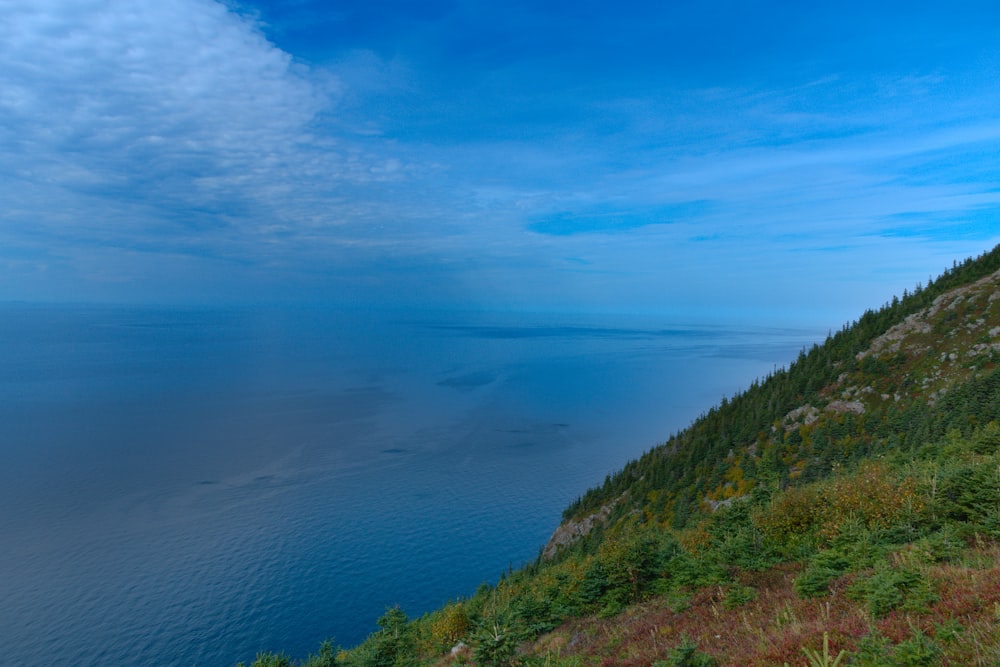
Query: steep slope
[
  {"x": 875, "y": 384},
  {"x": 853, "y": 498}
]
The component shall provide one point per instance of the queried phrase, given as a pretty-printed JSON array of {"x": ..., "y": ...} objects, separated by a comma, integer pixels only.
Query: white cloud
[{"x": 177, "y": 106}]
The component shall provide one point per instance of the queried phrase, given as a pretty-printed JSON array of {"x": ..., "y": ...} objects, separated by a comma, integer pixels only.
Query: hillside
[{"x": 851, "y": 498}]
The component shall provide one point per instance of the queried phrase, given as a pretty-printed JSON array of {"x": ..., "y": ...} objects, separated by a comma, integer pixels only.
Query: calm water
[{"x": 190, "y": 486}]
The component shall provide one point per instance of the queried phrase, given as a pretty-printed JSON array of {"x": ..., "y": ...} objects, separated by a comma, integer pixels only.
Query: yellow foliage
[
  {"x": 874, "y": 495},
  {"x": 792, "y": 512},
  {"x": 449, "y": 626},
  {"x": 735, "y": 473}
]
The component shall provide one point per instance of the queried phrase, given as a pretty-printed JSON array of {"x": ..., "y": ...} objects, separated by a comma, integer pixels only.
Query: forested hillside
[{"x": 843, "y": 510}]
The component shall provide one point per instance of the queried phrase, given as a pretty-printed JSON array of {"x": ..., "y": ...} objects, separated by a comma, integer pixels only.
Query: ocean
[{"x": 189, "y": 486}]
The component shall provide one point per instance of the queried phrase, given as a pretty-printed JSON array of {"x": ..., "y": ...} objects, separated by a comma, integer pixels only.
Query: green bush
[
  {"x": 823, "y": 568},
  {"x": 738, "y": 595},
  {"x": 327, "y": 656},
  {"x": 986, "y": 440},
  {"x": 270, "y": 660},
  {"x": 888, "y": 588},
  {"x": 391, "y": 646},
  {"x": 814, "y": 582},
  {"x": 862, "y": 545},
  {"x": 686, "y": 654},
  {"x": 737, "y": 541},
  {"x": 968, "y": 492},
  {"x": 873, "y": 651},
  {"x": 629, "y": 564},
  {"x": 494, "y": 646},
  {"x": 917, "y": 651},
  {"x": 942, "y": 546},
  {"x": 595, "y": 582}
]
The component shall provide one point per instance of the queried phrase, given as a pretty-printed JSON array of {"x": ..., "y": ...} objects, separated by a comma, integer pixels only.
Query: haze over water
[{"x": 191, "y": 486}]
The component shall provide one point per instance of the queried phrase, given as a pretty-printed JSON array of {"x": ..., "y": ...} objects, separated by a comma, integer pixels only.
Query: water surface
[{"x": 190, "y": 486}]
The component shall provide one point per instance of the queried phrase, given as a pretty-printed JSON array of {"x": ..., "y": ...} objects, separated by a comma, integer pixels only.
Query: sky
[{"x": 765, "y": 161}]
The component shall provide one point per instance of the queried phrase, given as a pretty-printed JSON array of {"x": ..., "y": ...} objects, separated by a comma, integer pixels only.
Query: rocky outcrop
[
  {"x": 805, "y": 414},
  {"x": 840, "y": 407},
  {"x": 901, "y": 336},
  {"x": 571, "y": 531}
]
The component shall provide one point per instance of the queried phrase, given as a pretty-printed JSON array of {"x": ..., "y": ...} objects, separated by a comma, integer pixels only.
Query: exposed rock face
[
  {"x": 921, "y": 323},
  {"x": 891, "y": 340},
  {"x": 571, "y": 531},
  {"x": 806, "y": 413},
  {"x": 716, "y": 504},
  {"x": 857, "y": 407}
]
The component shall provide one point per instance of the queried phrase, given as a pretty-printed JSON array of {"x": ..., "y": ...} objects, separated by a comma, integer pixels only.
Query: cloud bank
[{"x": 476, "y": 155}]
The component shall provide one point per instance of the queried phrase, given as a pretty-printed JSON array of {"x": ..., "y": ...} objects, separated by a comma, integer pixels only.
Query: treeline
[{"x": 689, "y": 465}]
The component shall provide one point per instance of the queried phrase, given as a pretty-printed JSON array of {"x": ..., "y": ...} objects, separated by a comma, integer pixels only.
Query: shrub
[
  {"x": 448, "y": 626},
  {"x": 873, "y": 651},
  {"x": 738, "y": 595},
  {"x": 595, "y": 582},
  {"x": 532, "y": 615},
  {"x": 986, "y": 440},
  {"x": 686, "y": 654},
  {"x": 629, "y": 565},
  {"x": 494, "y": 639},
  {"x": 736, "y": 540},
  {"x": 888, "y": 588},
  {"x": 495, "y": 646},
  {"x": 875, "y": 496},
  {"x": 969, "y": 491},
  {"x": 823, "y": 568},
  {"x": 790, "y": 520},
  {"x": 391, "y": 646},
  {"x": 327, "y": 656},
  {"x": 917, "y": 651},
  {"x": 270, "y": 660},
  {"x": 943, "y": 546}
]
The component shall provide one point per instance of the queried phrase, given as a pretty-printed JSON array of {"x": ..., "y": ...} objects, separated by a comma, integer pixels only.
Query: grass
[{"x": 960, "y": 627}]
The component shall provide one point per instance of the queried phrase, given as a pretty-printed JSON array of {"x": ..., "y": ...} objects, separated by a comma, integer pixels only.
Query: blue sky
[{"x": 725, "y": 160}]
